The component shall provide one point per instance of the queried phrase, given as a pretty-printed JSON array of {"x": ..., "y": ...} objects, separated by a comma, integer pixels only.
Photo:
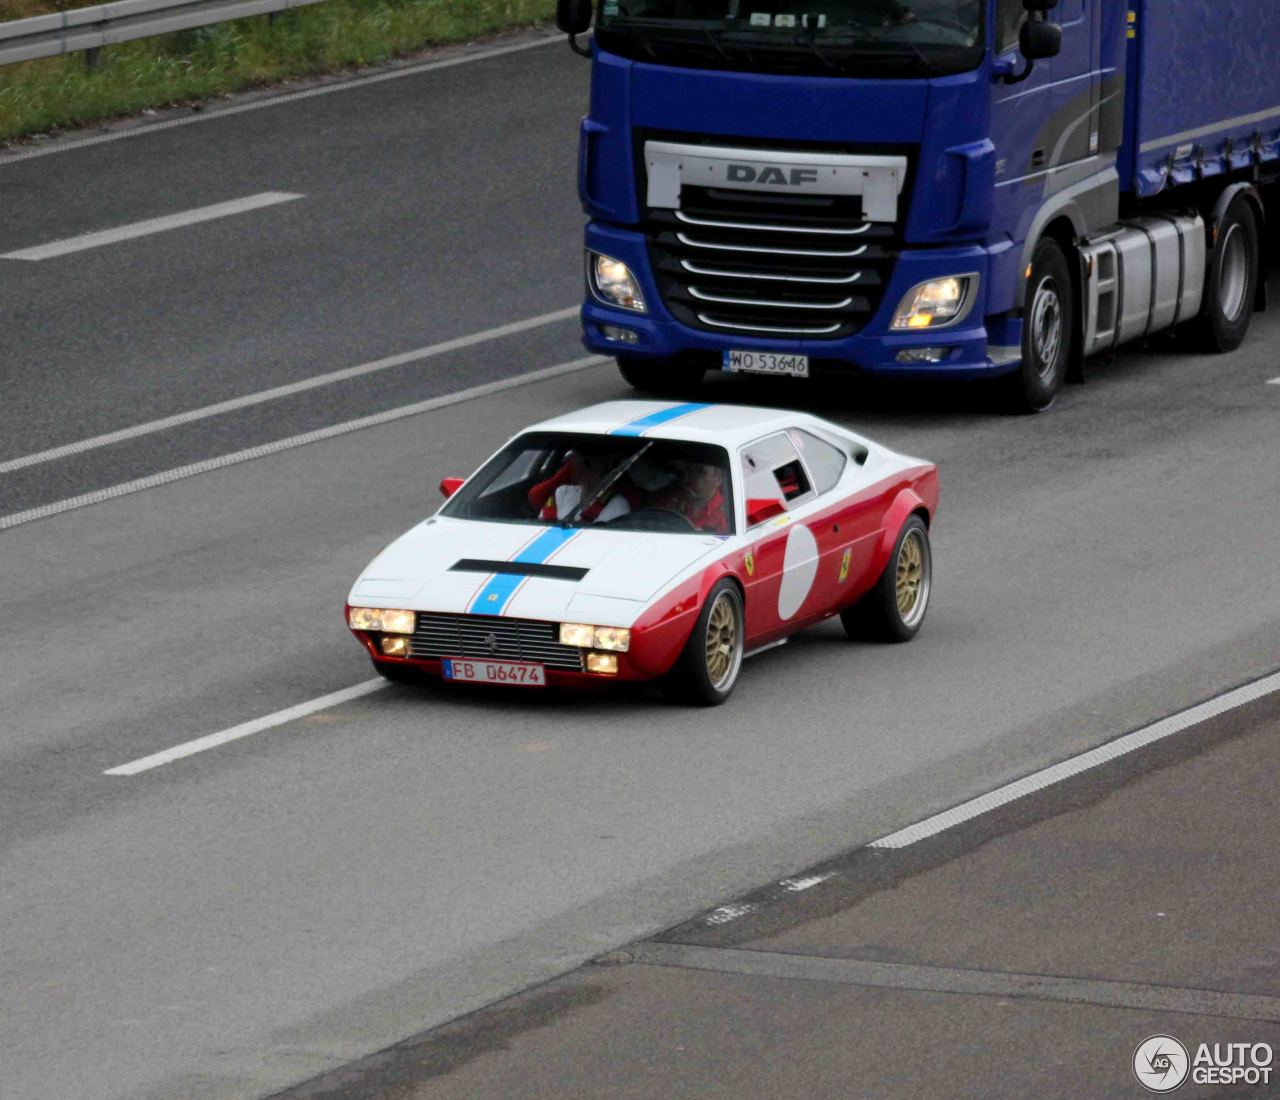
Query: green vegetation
[{"x": 60, "y": 92}]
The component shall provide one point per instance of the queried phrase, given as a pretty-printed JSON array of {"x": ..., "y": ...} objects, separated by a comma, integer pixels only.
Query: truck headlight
[
  {"x": 612, "y": 282},
  {"x": 616, "y": 638},
  {"x": 387, "y": 620},
  {"x": 936, "y": 304}
]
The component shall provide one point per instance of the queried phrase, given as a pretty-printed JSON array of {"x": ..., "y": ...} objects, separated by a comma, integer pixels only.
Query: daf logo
[
  {"x": 771, "y": 175},
  {"x": 491, "y": 643}
]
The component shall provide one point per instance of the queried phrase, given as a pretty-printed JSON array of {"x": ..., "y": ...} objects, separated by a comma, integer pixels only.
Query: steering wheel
[{"x": 670, "y": 518}]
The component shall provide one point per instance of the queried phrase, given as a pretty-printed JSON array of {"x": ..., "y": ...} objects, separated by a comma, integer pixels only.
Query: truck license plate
[
  {"x": 766, "y": 362},
  {"x": 509, "y": 673}
]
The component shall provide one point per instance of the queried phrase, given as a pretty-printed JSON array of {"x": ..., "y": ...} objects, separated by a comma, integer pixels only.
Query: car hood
[{"x": 623, "y": 570}]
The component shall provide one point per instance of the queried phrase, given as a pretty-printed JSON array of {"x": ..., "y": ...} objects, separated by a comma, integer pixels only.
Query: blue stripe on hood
[{"x": 493, "y": 598}]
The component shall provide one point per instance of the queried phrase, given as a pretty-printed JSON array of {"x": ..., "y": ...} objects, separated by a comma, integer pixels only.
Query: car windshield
[
  {"x": 834, "y": 37},
  {"x": 623, "y": 483}
]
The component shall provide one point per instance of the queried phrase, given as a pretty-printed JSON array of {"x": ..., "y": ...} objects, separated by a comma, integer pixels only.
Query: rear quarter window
[{"x": 826, "y": 462}]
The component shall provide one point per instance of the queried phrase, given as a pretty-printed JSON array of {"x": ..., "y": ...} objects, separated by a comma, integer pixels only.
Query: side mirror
[
  {"x": 1039, "y": 5},
  {"x": 450, "y": 485},
  {"x": 1038, "y": 40},
  {"x": 574, "y": 16},
  {"x": 759, "y": 510}
]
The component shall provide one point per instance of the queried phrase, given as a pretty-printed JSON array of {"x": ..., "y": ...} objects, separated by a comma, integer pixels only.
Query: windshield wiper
[{"x": 608, "y": 483}]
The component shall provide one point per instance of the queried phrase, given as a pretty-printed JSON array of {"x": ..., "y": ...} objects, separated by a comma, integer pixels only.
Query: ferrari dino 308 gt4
[{"x": 640, "y": 540}]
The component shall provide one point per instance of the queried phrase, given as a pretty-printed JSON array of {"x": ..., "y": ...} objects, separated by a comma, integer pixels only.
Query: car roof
[{"x": 727, "y": 425}]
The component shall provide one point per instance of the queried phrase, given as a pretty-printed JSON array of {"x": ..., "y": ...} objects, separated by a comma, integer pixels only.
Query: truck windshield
[{"x": 831, "y": 37}]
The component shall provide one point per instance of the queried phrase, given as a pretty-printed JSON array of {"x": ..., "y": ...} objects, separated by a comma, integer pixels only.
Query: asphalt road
[
  {"x": 1026, "y": 953},
  {"x": 246, "y": 918}
]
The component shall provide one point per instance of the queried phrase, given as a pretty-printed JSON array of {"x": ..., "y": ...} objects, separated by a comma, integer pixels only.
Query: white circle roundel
[
  {"x": 1161, "y": 1063},
  {"x": 799, "y": 567}
]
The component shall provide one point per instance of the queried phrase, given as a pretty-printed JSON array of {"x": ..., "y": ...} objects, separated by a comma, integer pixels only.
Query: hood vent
[{"x": 519, "y": 569}]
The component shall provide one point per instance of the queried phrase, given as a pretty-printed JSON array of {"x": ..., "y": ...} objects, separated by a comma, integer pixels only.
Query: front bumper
[
  {"x": 655, "y": 645},
  {"x": 658, "y": 335}
]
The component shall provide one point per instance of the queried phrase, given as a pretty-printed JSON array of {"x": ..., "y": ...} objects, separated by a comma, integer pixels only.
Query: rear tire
[
  {"x": 894, "y": 610},
  {"x": 1231, "y": 284},
  {"x": 707, "y": 669},
  {"x": 660, "y": 377},
  {"x": 1048, "y": 332}
]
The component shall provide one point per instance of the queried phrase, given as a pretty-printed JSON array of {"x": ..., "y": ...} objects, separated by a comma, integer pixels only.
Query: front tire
[
  {"x": 1048, "y": 332},
  {"x": 894, "y": 610},
  {"x": 707, "y": 669},
  {"x": 1231, "y": 285},
  {"x": 660, "y": 377}
]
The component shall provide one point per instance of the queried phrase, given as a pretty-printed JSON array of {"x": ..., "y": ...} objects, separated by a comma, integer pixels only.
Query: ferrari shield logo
[
  {"x": 844, "y": 565},
  {"x": 750, "y": 563}
]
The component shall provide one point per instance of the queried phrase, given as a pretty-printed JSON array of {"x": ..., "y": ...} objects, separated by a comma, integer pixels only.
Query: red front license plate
[{"x": 511, "y": 673}]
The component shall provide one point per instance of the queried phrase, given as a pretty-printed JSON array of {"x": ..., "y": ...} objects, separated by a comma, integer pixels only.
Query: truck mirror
[
  {"x": 574, "y": 16},
  {"x": 1039, "y": 40},
  {"x": 1039, "y": 5}
]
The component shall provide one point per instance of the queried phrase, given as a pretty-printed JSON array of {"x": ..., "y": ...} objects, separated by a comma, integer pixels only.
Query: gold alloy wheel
[
  {"x": 912, "y": 582},
  {"x": 722, "y": 642}
]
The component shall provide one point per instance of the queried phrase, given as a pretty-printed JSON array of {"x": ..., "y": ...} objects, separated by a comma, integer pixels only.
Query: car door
[
  {"x": 1045, "y": 129},
  {"x": 783, "y": 555},
  {"x": 847, "y": 522}
]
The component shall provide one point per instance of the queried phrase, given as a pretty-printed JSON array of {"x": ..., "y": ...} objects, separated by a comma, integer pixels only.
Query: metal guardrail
[{"x": 106, "y": 24}]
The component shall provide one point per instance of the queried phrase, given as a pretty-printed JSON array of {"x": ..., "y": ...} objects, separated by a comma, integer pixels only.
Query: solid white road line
[
  {"x": 152, "y": 225},
  {"x": 1274, "y": 382},
  {"x": 277, "y": 392},
  {"x": 44, "y": 511},
  {"x": 279, "y": 100},
  {"x": 247, "y": 729},
  {"x": 1001, "y": 796}
]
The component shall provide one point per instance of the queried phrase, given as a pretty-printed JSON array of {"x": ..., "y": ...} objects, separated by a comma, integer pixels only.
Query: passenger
[{"x": 575, "y": 481}]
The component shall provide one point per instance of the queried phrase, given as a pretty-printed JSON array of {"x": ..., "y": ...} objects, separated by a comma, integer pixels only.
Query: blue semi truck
[{"x": 971, "y": 188}]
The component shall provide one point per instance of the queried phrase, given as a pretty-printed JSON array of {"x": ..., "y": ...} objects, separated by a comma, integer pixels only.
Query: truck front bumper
[{"x": 968, "y": 349}]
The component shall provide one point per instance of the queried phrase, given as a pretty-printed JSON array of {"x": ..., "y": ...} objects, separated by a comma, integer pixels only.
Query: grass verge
[{"x": 59, "y": 92}]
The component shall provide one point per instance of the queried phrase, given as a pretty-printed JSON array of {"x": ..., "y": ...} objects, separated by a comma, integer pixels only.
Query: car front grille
[
  {"x": 493, "y": 638},
  {"x": 770, "y": 265}
]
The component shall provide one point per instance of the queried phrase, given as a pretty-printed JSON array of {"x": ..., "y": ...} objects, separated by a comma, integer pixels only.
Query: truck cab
[{"x": 916, "y": 187}]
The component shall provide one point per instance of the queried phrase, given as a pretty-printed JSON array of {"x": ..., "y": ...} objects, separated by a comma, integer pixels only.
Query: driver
[
  {"x": 574, "y": 482},
  {"x": 697, "y": 494}
]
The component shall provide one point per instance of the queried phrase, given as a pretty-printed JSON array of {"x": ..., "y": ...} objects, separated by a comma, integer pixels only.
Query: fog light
[
  {"x": 923, "y": 355},
  {"x": 935, "y": 304},
  {"x": 613, "y": 283},
  {"x": 394, "y": 645},
  {"x": 604, "y": 663},
  {"x": 619, "y": 335},
  {"x": 577, "y": 634}
]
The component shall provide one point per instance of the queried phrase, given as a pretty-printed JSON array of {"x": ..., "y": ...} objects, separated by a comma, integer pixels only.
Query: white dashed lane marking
[
  {"x": 151, "y": 226},
  {"x": 247, "y": 729},
  {"x": 154, "y": 481},
  {"x": 276, "y": 393}
]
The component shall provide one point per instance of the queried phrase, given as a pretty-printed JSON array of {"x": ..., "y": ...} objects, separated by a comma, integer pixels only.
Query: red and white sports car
[{"x": 638, "y": 540}]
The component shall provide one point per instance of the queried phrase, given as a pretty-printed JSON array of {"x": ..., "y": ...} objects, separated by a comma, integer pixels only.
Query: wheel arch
[{"x": 1221, "y": 205}]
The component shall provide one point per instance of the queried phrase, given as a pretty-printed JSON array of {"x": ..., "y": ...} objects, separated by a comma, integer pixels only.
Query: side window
[
  {"x": 1010, "y": 15},
  {"x": 772, "y": 470},
  {"x": 825, "y": 462}
]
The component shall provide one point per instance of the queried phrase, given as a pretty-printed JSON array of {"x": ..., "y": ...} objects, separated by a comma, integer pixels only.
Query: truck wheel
[
  {"x": 662, "y": 377},
  {"x": 1048, "y": 330},
  {"x": 1231, "y": 285},
  {"x": 708, "y": 666},
  {"x": 894, "y": 609}
]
